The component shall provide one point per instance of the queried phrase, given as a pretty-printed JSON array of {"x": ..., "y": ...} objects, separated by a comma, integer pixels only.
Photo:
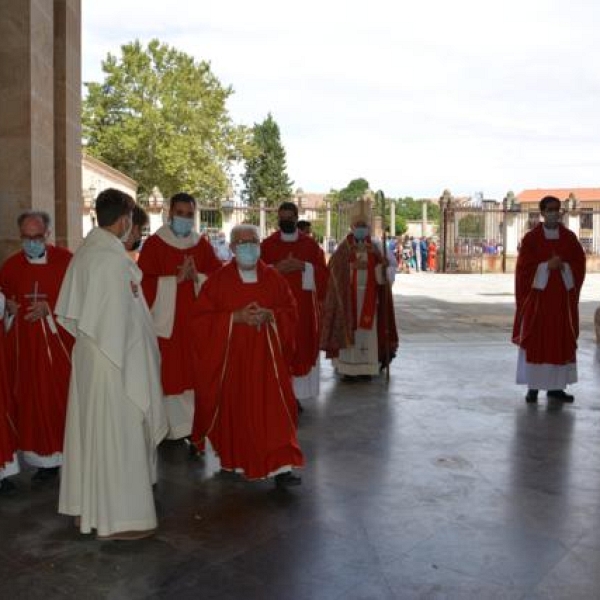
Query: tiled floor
[{"x": 442, "y": 484}]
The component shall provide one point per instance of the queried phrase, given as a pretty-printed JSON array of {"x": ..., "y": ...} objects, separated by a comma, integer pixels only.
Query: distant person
[
  {"x": 140, "y": 220},
  {"x": 300, "y": 260},
  {"x": 115, "y": 416},
  {"x": 415, "y": 253},
  {"x": 423, "y": 247},
  {"x": 359, "y": 328},
  {"x": 176, "y": 261},
  {"x": 244, "y": 322},
  {"x": 305, "y": 227},
  {"x": 432, "y": 256},
  {"x": 549, "y": 276},
  {"x": 221, "y": 248},
  {"x": 39, "y": 347},
  {"x": 407, "y": 255},
  {"x": 9, "y": 463}
]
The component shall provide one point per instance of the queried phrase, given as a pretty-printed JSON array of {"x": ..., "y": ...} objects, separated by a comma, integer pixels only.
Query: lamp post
[
  {"x": 155, "y": 199},
  {"x": 92, "y": 191}
]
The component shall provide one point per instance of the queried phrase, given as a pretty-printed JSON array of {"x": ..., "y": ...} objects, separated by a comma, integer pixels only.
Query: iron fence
[{"x": 483, "y": 239}]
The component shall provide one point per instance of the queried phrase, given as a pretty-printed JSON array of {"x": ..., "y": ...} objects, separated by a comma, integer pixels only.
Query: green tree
[
  {"x": 266, "y": 170},
  {"x": 412, "y": 210},
  {"x": 470, "y": 226},
  {"x": 161, "y": 118},
  {"x": 401, "y": 225},
  {"x": 353, "y": 191}
]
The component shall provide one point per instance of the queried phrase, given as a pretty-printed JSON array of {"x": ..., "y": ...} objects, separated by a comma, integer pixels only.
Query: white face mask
[{"x": 127, "y": 233}]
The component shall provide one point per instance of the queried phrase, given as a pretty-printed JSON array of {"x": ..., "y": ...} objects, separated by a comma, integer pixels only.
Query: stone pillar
[
  {"x": 596, "y": 233},
  {"x": 31, "y": 169},
  {"x": 67, "y": 122},
  {"x": 262, "y": 219},
  {"x": 572, "y": 221}
]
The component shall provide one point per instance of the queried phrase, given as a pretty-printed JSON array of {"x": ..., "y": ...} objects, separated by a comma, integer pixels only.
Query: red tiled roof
[
  {"x": 310, "y": 201},
  {"x": 581, "y": 194}
]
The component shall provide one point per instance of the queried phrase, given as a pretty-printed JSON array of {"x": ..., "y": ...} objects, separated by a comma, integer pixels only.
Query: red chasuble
[
  {"x": 274, "y": 249},
  {"x": 160, "y": 259},
  {"x": 244, "y": 399},
  {"x": 340, "y": 318},
  {"x": 41, "y": 357},
  {"x": 546, "y": 322},
  {"x": 8, "y": 438}
]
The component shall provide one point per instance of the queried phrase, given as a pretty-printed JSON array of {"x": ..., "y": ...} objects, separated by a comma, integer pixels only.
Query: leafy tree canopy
[
  {"x": 412, "y": 210},
  {"x": 266, "y": 169},
  {"x": 160, "y": 117},
  {"x": 353, "y": 191}
]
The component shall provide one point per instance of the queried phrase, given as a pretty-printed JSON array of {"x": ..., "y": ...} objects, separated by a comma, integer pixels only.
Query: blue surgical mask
[
  {"x": 33, "y": 248},
  {"x": 247, "y": 255},
  {"x": 181, "y": 226},
  {"x": 360, "y": 233}
]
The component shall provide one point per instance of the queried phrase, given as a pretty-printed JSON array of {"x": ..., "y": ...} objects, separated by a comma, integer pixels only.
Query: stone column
[
  {"x": 26, "y": 126},
  {"x": 40, "y": 154},
  {"x": 67, "y": 122},
  {"x": 262, "y": 219}
]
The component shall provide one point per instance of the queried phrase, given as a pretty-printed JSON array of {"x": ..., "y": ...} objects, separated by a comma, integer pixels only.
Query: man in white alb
[{"x": 115, "y": 413}]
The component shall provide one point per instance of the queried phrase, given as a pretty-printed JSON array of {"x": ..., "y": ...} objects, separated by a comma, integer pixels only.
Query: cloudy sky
[{"x": 414, "y": 96}]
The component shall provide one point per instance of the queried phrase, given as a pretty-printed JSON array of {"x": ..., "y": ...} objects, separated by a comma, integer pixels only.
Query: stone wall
[{"x": 40, "y": 132}]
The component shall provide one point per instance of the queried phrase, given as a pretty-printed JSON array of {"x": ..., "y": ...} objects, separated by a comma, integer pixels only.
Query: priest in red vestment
[
  {"x": 244, "y": 318},
  {"x": 9, "y": 464},
  {"x": 359, "y": 327},
  {"x": 301, "y": 261},
  {"x": 40, "y": 347},
  {"x": 175, "y": 262},
  {"x": 549, "y": 275}
]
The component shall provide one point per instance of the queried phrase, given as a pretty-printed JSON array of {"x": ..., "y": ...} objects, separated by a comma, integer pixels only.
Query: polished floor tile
[{"x": 442, "y": 484}]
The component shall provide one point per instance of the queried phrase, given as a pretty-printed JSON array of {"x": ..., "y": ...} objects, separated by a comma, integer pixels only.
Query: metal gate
[{"x": 486, "y": 239}]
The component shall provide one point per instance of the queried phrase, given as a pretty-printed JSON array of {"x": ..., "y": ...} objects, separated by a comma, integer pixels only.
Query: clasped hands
[
  {"x": 187, "y": 271},
  {"x": 289, "y": 265},
  {"x": 253, "y": 315},
  {"x": 35, "y": 311},
  {"x": 556, "y": 264}
]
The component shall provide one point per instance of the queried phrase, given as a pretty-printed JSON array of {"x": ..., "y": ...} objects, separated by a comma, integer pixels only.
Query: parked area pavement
[{"x": 441, "y": 484}]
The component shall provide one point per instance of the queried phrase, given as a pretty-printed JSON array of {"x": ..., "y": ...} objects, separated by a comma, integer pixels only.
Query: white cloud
[{"x": 416, "y": 97}]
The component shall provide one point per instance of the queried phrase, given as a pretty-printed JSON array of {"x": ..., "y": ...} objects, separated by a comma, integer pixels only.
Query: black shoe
[
  {"x": 560, "y": 395},
  {"x": 531, "y": 397},
  {"x": 193, "y": 450},
  {"x": 45, "y": 474},
  {"x": 7, "y": 487},
  {"x": 287, "y": 479},
  {"x": 300, "y": 407}
]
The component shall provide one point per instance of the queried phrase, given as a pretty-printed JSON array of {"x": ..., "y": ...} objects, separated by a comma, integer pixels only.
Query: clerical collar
[
  {"x": 40, "y": 260},
  {"x": 248, "y": 275},
  {"x": 290, "y": 237},
  {"x": 551, "y": 234}
]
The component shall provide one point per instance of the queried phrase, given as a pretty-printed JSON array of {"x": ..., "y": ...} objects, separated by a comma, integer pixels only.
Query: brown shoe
[{"x": 127, "y": 536}]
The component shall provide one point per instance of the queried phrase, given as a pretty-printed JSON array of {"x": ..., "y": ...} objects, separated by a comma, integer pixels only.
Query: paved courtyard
[{"x": 442, "y": 484}]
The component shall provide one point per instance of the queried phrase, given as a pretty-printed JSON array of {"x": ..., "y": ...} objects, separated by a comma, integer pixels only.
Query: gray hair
[
  {"x": 42, "y": 215},
  {"x": 243, "y": 227}
]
